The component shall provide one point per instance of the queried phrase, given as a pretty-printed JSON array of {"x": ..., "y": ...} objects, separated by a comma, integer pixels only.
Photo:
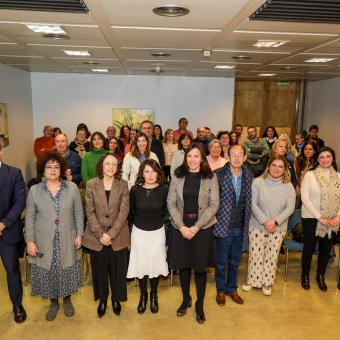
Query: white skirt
[{"x": 148, "y": 254}]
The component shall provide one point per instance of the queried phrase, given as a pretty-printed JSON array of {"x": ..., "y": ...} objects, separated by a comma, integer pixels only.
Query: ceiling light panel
[
  {"x": 77, "y": 53},
  {"x": 269, "y": 43},
  {"x": 100, "y": 70},
  {"x": 46, "y": 29},
  {"x": 224, "y": 67},
  {"x": 267, "y": 74},
  {"x": 319, "y": 60}
]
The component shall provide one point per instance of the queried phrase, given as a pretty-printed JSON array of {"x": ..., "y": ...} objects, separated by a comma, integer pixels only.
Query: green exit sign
[{"x": 283, "y": 83}]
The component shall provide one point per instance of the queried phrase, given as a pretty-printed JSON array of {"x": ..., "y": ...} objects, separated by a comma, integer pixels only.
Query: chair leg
[
  {"x": 26, "y": 270},
  {"x": 286, "y": 267},
  {"x": 171, "y": 277}
]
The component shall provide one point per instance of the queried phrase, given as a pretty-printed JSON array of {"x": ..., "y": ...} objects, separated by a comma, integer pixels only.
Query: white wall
[
  {"x": 323, "y": 109},
  {"x": 65, "y": 100},
  {"x": 15, "y": 90}
]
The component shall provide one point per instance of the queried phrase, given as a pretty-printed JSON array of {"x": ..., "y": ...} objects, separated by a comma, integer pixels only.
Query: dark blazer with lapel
[
  {"x": 12, "y": 203},
  {"x": 107, "y": 217}
]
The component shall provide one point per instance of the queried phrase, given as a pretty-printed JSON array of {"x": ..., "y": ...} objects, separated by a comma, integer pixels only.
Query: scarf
[{"x": 330, "y": 200}]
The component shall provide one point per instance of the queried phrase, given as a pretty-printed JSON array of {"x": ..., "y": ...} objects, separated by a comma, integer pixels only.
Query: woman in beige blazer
[
  {"x": 107, "y": 233},
  {"x": 193, "y": 201}
]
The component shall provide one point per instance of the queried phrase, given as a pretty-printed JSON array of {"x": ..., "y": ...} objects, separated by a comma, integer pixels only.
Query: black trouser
[
  {"x": 325, "y": 244},
  {"x": 109, "y": 265},
  {"x": 143, "y": 284},
  {"x": 200, "y": 281},
  {"x": 9, "y": 254}
]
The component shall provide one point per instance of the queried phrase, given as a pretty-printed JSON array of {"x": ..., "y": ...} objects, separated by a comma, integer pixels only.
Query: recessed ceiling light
[
  {"x": 319, "y": 60},
  {"x": 224, "y": 67},
  {"x": 241, "y": 57},
  {"x": 78, "y": 53},
  {"x": 55, "y": 36},
  {"x": 46, "y": 29},
  {"x": 100, "y": 70},
  {"x": 161, "y": 54},
  {"x": 287, "y": 68},
  {"x": 269, "y": 43},
  {"x": 90, "y": 62},
  {"x": 266, "y": 74},
  {"x": 171, "y": 11}
]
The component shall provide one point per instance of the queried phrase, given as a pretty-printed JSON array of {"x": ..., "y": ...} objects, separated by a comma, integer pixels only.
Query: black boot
[
  {"x": 182, "y": 310},
  {"x": 154, "y": 302},
  {"x": 116, "y": 307},
  {"x": 142, "y": 303},
  {"x": 200, "y": 316},
  {"x": 338, "y": 283},
  {"x": 305, "y": 281},
  {"x": 320, "y": 279},
  {"x": 101, "y": 308}
]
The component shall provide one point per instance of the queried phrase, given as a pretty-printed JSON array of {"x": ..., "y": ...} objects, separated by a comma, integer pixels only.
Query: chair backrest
[{"x": 294, "y": 219}]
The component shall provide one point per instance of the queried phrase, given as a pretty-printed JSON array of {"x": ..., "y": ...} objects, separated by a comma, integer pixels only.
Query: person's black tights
[
  {"x": 143, "y": 284},
  {"x": 200, "y": 281}
]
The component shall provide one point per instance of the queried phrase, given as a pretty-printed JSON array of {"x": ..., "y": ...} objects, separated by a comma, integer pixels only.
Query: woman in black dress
[
  {"x": 193, "y": 201},
  {"x": 148, "y": 210}
]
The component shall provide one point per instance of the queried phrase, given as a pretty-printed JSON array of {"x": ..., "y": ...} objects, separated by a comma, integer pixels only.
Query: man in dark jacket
[
  {"x": 231, "y": 229},
  {"x": 13, "y": 197}
]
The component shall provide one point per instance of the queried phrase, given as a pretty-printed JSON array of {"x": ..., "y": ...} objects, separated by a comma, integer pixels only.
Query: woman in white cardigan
[
  {"x": 320, "y": 194},
  {"x": 140, "y": 151}
]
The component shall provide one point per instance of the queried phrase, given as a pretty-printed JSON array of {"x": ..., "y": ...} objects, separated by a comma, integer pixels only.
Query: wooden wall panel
[{"x": 264, "y": 103}]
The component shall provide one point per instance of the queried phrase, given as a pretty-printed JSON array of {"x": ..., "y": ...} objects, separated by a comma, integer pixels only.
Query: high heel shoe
[
  {"x": 320, "y": 279},
  {"x": 142, "y": 303},
  {"x": 200, "y": 316},
  {"x": 182, "y": 310},
  {"x": 154, "y": 302},
  {"x": 305, "y": 282},
  {"x": 101, "y": 310},
  {"x": 116, "y": 307}
]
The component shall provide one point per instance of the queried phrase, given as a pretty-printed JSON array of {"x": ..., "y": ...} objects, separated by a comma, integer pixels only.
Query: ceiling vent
[
  {"x": 71, "y": 6},
  {"x": 315, "y": 11}
]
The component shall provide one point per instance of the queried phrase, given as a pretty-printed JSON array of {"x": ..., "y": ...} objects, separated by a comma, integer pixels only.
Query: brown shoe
[
  {"x": 235, "y": 297},
  {"x": 220, "y": 299}
]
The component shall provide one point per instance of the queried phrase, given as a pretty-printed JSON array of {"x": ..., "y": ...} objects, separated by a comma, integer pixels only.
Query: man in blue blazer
[{"x": 13, "y": 197}]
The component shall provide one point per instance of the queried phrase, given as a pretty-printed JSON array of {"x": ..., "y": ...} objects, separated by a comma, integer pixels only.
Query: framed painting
[
  {"x": 131, "y": 117},
  {"x": 4, "y": 135}
]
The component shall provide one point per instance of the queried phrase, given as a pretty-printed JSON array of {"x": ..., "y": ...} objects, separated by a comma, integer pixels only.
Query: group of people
[{"x": 221, "y": 197}]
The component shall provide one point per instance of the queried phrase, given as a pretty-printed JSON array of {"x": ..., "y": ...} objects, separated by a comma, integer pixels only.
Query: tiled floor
[{"x": 290, "y": 313}]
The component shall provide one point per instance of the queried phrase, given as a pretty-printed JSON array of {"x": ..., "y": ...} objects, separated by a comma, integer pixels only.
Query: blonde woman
[
  {"x": 169, "y": 147},
  {"x": 214, "y": 158},
  {"x": 273, "y": 201}
]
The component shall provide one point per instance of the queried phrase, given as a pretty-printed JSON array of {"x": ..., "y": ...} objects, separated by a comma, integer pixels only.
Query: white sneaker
[
  {"x": 267, "y": 290},
  {"x": 247, "y": 288}
]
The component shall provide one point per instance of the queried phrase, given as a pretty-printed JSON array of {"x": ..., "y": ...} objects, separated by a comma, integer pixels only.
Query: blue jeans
[{"x": 228, "y": 251}]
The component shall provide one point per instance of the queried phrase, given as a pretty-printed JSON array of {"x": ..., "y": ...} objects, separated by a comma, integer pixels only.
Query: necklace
[{"x": 148, "y": 192}]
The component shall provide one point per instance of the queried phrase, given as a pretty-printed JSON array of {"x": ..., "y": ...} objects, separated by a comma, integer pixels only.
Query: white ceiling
[{"x": 121, "y": 35}]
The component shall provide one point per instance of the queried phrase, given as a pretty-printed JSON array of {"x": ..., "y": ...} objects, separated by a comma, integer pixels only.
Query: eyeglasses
[{"x": 236, "y": 155}]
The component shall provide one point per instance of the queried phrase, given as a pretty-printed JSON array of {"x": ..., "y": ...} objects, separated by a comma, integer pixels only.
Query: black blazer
[
  {"x": 13, "y": 202},
  {"x": 157, "y": 148}
]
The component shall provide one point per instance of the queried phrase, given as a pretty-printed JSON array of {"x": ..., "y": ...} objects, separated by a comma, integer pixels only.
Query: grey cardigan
[
  {"x": 40, "y": 224},
  {"x": 208, "y": 202}
]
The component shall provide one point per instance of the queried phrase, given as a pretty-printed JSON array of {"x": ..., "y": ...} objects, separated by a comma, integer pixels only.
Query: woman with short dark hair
[
  {"x": 270, "y": 135},
  {"x": 184, "y": 140},
  {"x": 54, "y": 228},
  {"x": 91, "y": 158},
  {"x": 107, "y": 232},
  {"x": 193, "y": 202},
  {"x": 148, "y": 210}
]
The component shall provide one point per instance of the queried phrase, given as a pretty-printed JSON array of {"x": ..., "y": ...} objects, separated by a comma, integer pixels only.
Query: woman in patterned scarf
[{"x": 320, "y": 194}]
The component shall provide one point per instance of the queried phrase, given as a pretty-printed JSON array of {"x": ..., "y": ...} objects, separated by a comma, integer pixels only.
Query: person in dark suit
[
  {"x": 156, "y": 145},
  {"x": 13, "y": 196}
]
